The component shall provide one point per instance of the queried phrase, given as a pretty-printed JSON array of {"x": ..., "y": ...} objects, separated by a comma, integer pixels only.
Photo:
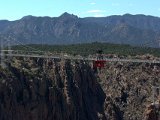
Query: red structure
[{"x": 99, "y": 63}]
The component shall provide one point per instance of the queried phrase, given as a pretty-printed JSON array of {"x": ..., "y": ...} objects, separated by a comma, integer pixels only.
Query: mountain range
[{"x": 136, "y": 30}]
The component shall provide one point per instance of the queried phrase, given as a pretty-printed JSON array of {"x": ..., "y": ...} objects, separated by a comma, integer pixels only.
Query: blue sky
[{"x": 16, "y": 9}]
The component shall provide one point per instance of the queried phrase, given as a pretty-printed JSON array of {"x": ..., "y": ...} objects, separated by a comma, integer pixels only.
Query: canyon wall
[{"x": 56, "y": 90}]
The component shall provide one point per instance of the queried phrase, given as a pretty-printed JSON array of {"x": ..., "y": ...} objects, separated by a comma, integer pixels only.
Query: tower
[{"x": 2, "y": 54}]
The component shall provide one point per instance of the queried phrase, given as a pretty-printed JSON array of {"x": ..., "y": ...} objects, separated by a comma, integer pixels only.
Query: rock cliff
[
  {"x": 39, "y": 89},
  {"x": 56, "y": 90},
  {"x": 128, "y": 88}
]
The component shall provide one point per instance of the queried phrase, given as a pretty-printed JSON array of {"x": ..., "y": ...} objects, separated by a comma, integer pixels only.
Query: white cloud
[
  {"x": 96, "y": 11},
  {"x": 92, "y": 3}
]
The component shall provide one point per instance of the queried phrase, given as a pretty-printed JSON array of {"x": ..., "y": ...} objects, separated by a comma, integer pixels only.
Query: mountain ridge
[{"x": 136, "y": 30}]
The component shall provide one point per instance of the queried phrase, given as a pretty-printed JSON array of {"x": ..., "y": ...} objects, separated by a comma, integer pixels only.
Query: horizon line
[{"x": 78, "y": 16}]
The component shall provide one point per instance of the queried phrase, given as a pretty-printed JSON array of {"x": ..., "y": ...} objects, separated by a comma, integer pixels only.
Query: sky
[{"x": 16, "y": 9}]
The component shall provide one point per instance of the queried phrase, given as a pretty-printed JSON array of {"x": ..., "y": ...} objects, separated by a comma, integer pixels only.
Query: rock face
[
  {"x": 54, "y": 91},
  {"x": 152, "y": 112},
  {"x": 32, "y": 89},
  {"x": 128, "y": 88}
]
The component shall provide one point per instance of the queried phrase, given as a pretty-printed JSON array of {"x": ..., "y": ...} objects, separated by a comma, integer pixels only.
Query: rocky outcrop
[
  {"x": 152, "y": 113},
  {"x": 52, "y": 91},
  {"x": 128, "y": 88}
]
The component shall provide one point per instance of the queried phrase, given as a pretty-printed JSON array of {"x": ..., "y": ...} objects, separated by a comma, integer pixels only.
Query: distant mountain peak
[
  {"x": 67, "y": 15},
  {"x": 127, "y": 14},
  {"x": 27, "y": 17}
]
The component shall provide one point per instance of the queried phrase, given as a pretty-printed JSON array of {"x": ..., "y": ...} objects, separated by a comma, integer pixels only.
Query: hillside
[
  {"x": 91, "y": 48},
  {"x": 135, "y": 30}
]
